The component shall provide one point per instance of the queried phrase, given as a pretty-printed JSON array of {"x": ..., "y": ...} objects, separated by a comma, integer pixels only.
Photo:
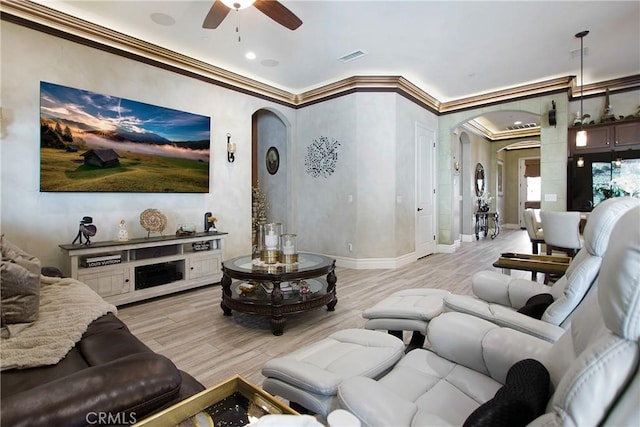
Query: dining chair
[{"x": 562, "y": 232}]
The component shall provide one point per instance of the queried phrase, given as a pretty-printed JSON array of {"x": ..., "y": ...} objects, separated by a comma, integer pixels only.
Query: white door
[{"x": 425, "y": 191}]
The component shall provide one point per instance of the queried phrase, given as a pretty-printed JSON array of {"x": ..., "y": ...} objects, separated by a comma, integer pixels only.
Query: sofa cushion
[
  {"x": 522, "y": 398},
  {"x": 19, "y": 285},
  {"x": 130, "y": 388}
]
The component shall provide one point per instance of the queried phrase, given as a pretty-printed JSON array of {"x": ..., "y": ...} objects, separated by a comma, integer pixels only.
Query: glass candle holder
[
  {"x": 289, "y": 253},
  {"x": 270, "y": 242}
]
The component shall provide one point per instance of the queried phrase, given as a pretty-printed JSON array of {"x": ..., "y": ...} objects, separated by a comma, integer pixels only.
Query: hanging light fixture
[
  {"x": 581, "y": 135},
  {"x": 617, "y": 163},
  {"x": 580, "y": 162}
]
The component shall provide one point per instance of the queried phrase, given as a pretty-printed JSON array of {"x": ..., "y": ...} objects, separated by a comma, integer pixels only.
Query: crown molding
[
  {"x": 50, "y": 21},
  {"x": 598, "y": 88},
  {"x": 475, "y": 127}
]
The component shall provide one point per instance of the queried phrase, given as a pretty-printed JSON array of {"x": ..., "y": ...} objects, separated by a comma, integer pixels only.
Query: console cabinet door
[
  {"x": 207, "y": 265},
  {"x": 107, "y": 283},
  {"x": 598, "y": 139},
  {"x": 627, "y": 134}
]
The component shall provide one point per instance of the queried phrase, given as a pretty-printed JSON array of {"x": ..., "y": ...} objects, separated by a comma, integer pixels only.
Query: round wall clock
[{"x": 272, "y": 160}]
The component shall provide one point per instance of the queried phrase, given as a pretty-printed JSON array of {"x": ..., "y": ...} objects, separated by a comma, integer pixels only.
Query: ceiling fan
[{"x": 272, "y": 8}]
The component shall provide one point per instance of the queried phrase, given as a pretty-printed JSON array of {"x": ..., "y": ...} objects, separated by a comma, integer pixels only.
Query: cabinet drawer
[
  {"x": 107, "y": 283},
  {"x": 206, "y": 265}
]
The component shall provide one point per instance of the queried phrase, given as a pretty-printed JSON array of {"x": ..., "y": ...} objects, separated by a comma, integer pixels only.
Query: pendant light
[{"x": 581, "y": 135}]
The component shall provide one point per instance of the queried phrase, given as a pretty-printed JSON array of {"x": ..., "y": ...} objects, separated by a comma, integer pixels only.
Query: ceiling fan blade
[
  {"x": 276, "y": 11},
  {"x": 216, "y": 15}
]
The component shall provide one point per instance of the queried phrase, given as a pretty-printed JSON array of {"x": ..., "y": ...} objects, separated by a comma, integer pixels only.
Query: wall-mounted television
[{"x": 99, "y": 143}]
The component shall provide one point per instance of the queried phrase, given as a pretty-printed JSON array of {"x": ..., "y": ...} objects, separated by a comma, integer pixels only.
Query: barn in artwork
[{"x": 101, "y": 157}]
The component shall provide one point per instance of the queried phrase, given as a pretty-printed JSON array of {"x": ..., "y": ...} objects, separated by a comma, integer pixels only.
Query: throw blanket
[{"x": 67, "y": 307}]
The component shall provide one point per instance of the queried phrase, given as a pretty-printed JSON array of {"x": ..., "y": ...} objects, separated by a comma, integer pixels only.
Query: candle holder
[
  {"x": 289, "y": 254},
  {"x": 270, "y": 242}
]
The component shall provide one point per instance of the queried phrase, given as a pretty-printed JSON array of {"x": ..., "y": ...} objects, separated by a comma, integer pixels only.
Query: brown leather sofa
[{"x": 109, "y": 377}]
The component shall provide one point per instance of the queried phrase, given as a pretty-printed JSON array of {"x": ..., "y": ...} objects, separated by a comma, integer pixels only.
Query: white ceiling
[{"x": 450, "y": 49}]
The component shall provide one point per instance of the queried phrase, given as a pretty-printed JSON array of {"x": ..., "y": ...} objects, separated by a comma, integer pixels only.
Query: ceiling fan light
[
  {"x": 581, "y": 138},
  {"x": 238, "y": 4}
]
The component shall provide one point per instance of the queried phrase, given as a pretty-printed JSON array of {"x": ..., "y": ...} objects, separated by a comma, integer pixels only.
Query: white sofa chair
[
  {"x": 498, "y": 297},
  {"x": 460, "y": 380}
]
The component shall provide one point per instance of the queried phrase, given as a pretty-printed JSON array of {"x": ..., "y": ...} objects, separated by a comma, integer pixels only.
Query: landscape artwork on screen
[{"x": 91, "y": 142}]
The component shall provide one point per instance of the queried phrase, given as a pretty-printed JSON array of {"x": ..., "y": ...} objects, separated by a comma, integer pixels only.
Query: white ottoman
[
  {"x": 407, "y": 310},
  {"x": 310, "y": 376}
]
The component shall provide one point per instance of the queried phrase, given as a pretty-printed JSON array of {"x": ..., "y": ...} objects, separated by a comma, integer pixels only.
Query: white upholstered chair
[
  {"x": 534, "y": 230},
  {"x": 466, "y": 374},
  {"x": 562, "y": 231}
]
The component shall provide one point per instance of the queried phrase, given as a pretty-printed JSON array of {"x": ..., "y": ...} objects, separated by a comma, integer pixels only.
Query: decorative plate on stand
[{"x": 153, "y": 220}]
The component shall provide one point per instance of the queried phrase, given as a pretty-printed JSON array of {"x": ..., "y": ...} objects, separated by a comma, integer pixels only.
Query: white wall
[
  {"x": 39, "y": 222},
  {"x": 369, "y": 202}
]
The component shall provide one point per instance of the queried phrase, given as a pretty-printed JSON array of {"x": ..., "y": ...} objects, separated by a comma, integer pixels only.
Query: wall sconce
[
  {"x": 456, "y": 168},
  {"x": 580, "y": 162},
  {"x": 617, "y": 163},
  {"x": 231, "y": 149}
]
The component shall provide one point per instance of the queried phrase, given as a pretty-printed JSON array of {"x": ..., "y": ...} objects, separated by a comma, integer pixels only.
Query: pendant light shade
[
  {"x": 581, "y": 135},
  {"x": 238, "y": 4},
  {"x": 581, "y": 138}
]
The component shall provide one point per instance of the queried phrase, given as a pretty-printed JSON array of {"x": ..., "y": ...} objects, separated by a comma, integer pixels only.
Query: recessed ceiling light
[
  {"x": 250, "y": 55},
  {"x": 162, "y": 19},
  {"x": 270, "y": 62},
  {"x": 517, "y": 122}
]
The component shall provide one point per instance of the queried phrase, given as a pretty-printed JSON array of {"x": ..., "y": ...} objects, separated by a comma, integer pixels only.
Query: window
[
  {"x": 534, "y": 188},
  {"x": 611, "y": 181}
]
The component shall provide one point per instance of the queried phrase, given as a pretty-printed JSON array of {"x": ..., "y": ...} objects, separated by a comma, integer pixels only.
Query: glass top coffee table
[{"x": 278, "y": 289}]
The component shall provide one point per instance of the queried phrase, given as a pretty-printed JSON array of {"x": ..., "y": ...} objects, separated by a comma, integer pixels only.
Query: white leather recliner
[
  {"x": 460, "y": 379},
  {"x": 498, "y": 297}
]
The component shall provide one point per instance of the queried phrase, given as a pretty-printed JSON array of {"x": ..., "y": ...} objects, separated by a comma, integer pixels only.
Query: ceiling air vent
[
  {"x": 351, "y": 56},
  {"x": 523, "y": 126}
]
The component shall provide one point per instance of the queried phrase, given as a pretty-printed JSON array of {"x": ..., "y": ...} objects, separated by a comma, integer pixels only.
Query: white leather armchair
[
  {"x": 498, "y": 297},
  {"x": 562, "y": 231},
  {"x": 593, "y": 367}
]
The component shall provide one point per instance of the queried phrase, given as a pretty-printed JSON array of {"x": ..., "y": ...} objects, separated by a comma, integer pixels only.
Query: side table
[{"x": 482, "y": 223}]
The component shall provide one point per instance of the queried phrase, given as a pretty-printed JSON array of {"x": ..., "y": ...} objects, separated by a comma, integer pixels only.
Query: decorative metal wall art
[{"x": 321, "y": 157}]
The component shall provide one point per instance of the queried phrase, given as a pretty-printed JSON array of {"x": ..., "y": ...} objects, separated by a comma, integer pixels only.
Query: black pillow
[
  {"x": 536, "y": 305},
  {"x": 521, "y": 399}
]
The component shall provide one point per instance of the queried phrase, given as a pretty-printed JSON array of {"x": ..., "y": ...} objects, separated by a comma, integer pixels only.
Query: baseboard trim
[
  {"x": 511, "y": 226},
  {"x": 446, "y": 249},
  {"x": 374, "y": 263},
  {"x": 467, "y": 238}
]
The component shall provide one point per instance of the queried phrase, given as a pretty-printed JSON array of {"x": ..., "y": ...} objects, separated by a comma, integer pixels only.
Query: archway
[
  {"x": 471, "y": 143},
  {"x": 271, "y": 160}
]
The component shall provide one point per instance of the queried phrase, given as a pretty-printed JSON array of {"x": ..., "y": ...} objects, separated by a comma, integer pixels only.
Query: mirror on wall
[{"x": 480, "y": 180}]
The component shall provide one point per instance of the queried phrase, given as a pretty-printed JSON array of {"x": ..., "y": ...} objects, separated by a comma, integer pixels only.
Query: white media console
[{"x": 134, "y": 270}]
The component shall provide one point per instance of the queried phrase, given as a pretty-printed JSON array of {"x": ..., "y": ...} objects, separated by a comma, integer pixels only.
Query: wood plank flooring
[{"x": 191, "y": 330}]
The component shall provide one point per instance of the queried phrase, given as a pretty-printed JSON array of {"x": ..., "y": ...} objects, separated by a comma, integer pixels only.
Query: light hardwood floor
[{"x": 191, "y": 330}]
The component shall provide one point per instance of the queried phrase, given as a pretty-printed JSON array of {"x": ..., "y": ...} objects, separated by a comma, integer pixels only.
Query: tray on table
[{"x": 235, "y": 402}]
